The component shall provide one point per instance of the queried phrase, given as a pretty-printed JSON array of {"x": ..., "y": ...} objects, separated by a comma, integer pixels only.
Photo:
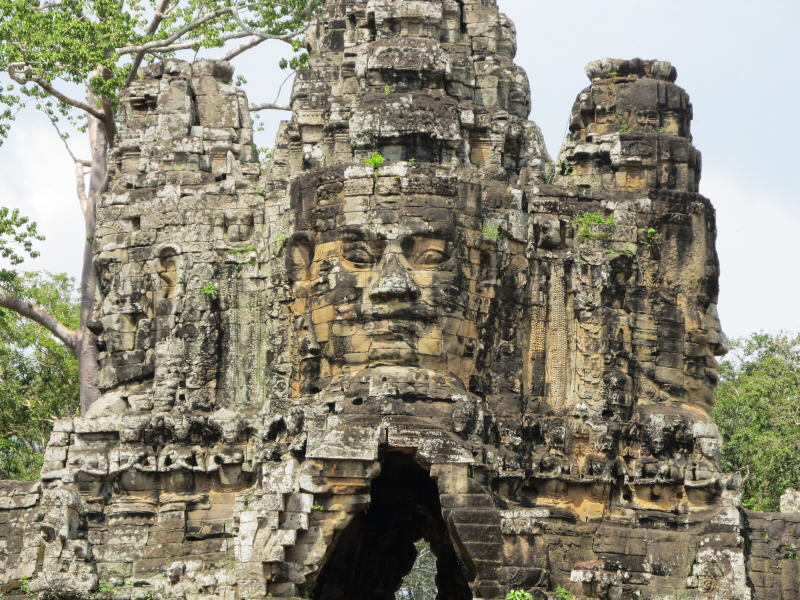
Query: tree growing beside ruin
[
  {"x": 38, "y": 374},
  {"x": 420, "y": 582},
  {"x": 758, "y": 412},
  {"x": 73, "y": 59}
]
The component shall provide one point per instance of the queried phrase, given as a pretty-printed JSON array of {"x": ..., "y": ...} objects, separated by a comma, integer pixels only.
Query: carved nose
[{"x": 393, "y": 283}]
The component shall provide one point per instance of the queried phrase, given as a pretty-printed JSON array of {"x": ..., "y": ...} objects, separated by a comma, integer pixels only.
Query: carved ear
[{"x": 299, "y": 255}]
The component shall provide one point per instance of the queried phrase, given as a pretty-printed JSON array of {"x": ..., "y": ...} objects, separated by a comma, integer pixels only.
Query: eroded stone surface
[{"x": 311, "y": 363}]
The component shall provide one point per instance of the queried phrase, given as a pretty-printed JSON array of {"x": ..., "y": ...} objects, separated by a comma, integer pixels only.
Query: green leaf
[{"x": 17, "y": 237}]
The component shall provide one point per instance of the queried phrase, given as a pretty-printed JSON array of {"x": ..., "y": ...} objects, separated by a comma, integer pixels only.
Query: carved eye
[
  {"x": 431, "y": 258},
  {"x": 359, "y": 256}
]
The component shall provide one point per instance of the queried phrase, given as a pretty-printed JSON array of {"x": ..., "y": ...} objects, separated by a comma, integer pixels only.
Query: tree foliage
[
  {"x": 758, "y": 412},
  {"x": 49, "y": 46},
  {"x": 38, "y": 375},
  {"x": 420, "y": 583},
  {"x": 17, "y": 236}
]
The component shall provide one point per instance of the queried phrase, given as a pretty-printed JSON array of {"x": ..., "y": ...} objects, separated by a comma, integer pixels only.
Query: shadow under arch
[{"x": 370, "y": 557}]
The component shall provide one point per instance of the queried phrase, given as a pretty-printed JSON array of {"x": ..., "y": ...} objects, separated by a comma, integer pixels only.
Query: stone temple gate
[{"x": 310, "y": 364}]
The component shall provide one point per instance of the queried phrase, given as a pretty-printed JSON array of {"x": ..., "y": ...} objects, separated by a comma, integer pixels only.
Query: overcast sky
[{"x": 737, "y": 59}]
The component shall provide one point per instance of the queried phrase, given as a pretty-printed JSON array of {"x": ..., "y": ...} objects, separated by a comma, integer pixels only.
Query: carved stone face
[
  {"x": 399, "y": 281},
  {"x": 705, "y": 341}
]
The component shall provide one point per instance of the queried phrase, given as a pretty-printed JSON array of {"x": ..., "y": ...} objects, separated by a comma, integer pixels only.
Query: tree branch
[
  {"x": 193, "y": 43},
  {"x": 273, "y": 105},
  {"x": 263, "y": 34},
  {"x": 80, "y": 186},
  {"x": 80, "y": 175},
  {"x": 244, "y": 47},
  {"x": 168, "y": 41},
  {"x": 239, "y": 21},
  {"x": 49, "y": 5},
  {"x": 108, "y": 121},
  {"x": 151, "y": 29},
  {"x": 57, "y": 94},
  {"x": 269, "y": 106},
  {"x": 168, "y": 44},
  {"x": 79, "y": 161},
  {"x": 39, "y": 315}
]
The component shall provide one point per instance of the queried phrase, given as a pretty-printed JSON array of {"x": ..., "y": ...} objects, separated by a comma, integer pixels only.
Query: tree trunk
[{"x": 86, "y": 348}]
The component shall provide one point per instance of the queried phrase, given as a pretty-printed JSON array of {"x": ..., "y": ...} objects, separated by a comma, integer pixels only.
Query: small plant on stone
[
  {"x": 375, "y": 161},
  {"x": 241, "y": 250},
  {"x": 25, "y": 586},
  {"x": 617, "y": 252},
  {"x": 661, "y": 129},
  {"x": 257, "y": 189},
  {"x": 651, "y": 233},
  {"x": 318, "y": 507},
  {"x": 565, "y": 168},
  {"x": 210, "y": 291},
  {"x": 387, "y": 89},
  {"x": 519, "y": 595},
  {"x": 622, "y": 121},
  {"x": 248, "y": 499},
  {"x": 264, "y": 154},
  {"x": 584, "y": 223},
  {"x": 105, "y": 587},
  {"x": 412, "y": 161},
  {"x": 490, "y": 231},
  {"x": 613, "y": 74},
  {"x": 562, "y": 594}
]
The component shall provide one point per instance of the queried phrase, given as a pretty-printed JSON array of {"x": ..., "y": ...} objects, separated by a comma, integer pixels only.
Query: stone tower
[{"x": 408, "y": 324}]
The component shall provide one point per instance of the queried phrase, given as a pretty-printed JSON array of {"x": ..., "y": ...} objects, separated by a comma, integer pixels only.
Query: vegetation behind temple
[
  {"x": 420, "y": 583},
  {"x": 38, "y": 375},
  {"x": 758, "y": 413},
  {"x": 757, "y": 402}
]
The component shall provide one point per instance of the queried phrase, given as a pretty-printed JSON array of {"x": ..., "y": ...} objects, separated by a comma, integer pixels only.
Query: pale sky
[{"x": 737, "y": 59}]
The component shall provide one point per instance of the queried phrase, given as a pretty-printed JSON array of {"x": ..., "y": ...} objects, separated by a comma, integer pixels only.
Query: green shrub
[
  {"x": 562, "y": 594},
  {"x": 491, "y": 231},
  {"x": 210, "y": 291},
  {"x": 375, "y": 161},
  {"x": 565, "y": 168},
  {"x": 584, "y": 222},
  {"x": 756, "y": 411}
]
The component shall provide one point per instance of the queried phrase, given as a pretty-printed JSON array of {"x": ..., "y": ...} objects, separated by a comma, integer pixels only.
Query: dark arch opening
[{"x": 370, "y": 557}]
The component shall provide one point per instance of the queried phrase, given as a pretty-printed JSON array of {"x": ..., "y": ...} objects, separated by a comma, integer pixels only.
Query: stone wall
[
  {"x": 20, "y": 538},
  {"x": 773, "y": 558}
]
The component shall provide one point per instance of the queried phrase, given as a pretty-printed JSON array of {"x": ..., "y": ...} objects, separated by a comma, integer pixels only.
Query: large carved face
[{"x": 401, "y": 280}]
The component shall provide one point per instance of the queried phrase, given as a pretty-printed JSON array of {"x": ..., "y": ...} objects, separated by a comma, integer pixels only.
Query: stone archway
[{"x": 370, "y": 557}]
